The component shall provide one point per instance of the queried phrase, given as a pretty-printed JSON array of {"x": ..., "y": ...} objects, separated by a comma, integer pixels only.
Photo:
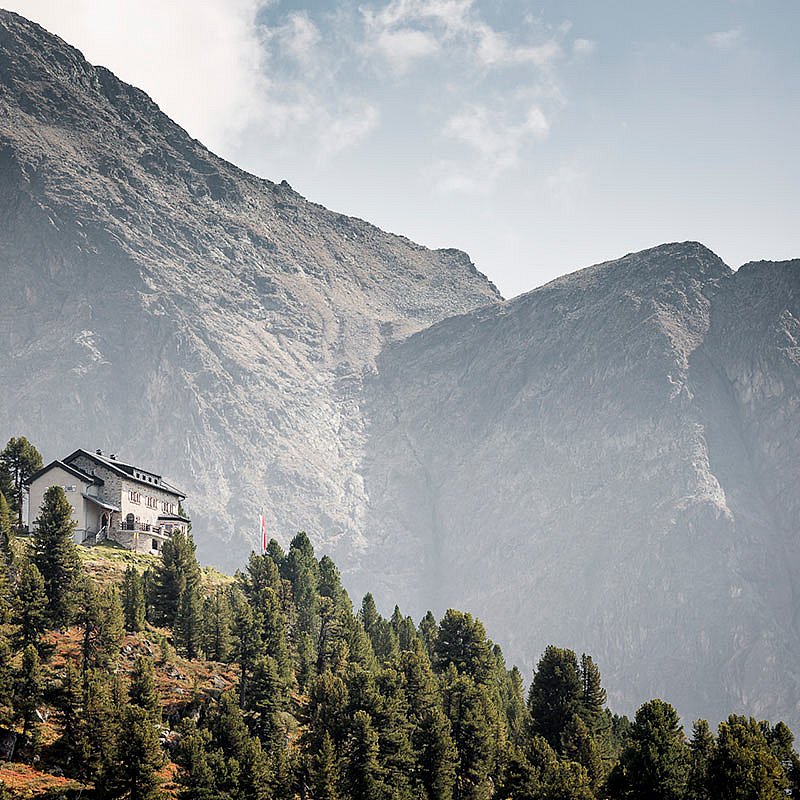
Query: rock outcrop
[{"x": 609, "y": 462}]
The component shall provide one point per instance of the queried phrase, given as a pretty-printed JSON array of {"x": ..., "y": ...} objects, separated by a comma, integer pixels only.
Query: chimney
[
  {"x": 113, "y": 457},
  {"x": 99, "y": 452}
]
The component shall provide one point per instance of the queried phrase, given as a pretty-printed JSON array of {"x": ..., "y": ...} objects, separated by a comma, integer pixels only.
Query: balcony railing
[{"x": 143, "y": 527}]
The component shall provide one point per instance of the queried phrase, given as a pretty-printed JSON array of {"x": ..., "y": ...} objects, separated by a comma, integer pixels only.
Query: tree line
[{"x": 331, "y": 701}]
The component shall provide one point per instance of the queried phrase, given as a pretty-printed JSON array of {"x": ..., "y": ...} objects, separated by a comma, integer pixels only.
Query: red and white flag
[{"x": 263, "y": 521}]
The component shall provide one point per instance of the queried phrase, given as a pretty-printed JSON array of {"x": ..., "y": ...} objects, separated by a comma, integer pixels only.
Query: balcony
[{"x": 144, "y": 527}]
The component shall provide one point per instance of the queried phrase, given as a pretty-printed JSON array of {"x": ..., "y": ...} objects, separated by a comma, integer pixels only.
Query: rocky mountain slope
[
  {"x": 160, "y": 303},
  {"x": 609, "y": 462}
]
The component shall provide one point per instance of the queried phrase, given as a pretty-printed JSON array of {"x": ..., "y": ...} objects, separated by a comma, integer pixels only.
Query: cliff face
[
  {"x": 608, "y": 462},
  {"x": 163, "y": 304}
]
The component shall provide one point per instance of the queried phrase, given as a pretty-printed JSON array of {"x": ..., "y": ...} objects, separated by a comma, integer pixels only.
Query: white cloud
[
  {"x": 725, "y": 40},
  {"x": 299, "y": 37},
  {"x": 583, "y": 47},
  {"x": 496, "y": 140},
  {"x": 345, "y": 130},
  {"x": 201, "y": 62},
  {"x": 457, "y": 25},
  {"x": 404, "y": 46}
]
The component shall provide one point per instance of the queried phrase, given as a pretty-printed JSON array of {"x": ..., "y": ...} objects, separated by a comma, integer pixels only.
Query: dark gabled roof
[
  {"x": 78, "y": 473},
  {"x": 173, "y": 518},
  {"x": 127, "y": 471}
]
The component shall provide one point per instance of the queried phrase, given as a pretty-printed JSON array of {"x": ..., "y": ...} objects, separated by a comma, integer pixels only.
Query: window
[
  {"x": 134, "y": 497},
  {"x": 168, "y": 508},
  {"x": 154, "y": 544},
  {"x": 152, "y": 502}
]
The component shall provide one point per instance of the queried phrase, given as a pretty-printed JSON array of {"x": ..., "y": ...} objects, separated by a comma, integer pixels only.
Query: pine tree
[
  {"x": 133, "y": 603},
  {"x": 248, "y": 642},
  {"x": 188, "y": 628},
  {"x": 177, "y": 569},
  {"x": 217, "y": 625},
  {"x": 781, "y": 742},
  {"x": 31, "y": 607},
  {"x": 6, "y": 598},
  {"x": 555, "y": 696},
  {"x": 324, "y": 771},
  {"x": 196, "y": 778},
  {"x": 462, "y": 642},
  {"x": 428, "y": 633},
  {"x": 363, "y": 774},
  {"x": 18, "y": 461},
  {"x": 6, "y": 549},
  {"x": 655, "y": 763},
  {"x": 593, "y": 696},
  {"x": 28, "y": 695},
  {"x": 436, "y": 755},
  {"x": 133, "y": 772},
  {"x": 330, "y": 585},
  {"x": 101, "y": 618},
  {"x": 743, "y": 765},
  {"x": 142, "y": 691},
  {"x": 265, "y": 699},
  {"x": 99, "y": 725},
  {"x": 368, "y": 613},
  {"x": 302, "y": 570},
  {"x": 6, "y": 683},
  {"x": 701, "y": 748},
  {"x": 513, "y": 703},
  {"x": 474, "y": 723},
  {"x": 56, "y": 556},
  {"x": 70, "y": 703}
]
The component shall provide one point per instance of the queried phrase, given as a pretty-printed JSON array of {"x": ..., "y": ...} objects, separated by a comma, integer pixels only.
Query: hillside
[{"x": 166, "y": 681}]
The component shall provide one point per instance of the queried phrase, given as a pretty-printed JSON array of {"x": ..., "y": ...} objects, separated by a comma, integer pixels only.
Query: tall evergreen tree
[
  {"x": 28, "y": 696},
  {"x": 6, "y": 683},
  {"x": 743, "y": 765},
  {"x": 555, "y": 696},
  {"x": 363, "y": 780},
  {"x": 6, "y": 549},
  {"x": 655, "y": 763},
  {"x": 30, "y": 604},
  {"x": 177, "y": 569},
  {"x": 188, "y": 627},
  {"x": 428, "y": 633},
  {"x": 302, "y": 570},
  {"x": 101, "y": 618},
  {"x": 324, "y": 771},
  {"x": 462, "y": 642},
  {"x": 474, "y": 723},
  {"x": 133, "y": 771},
  {"x": 701, "y": 748},
  {"x": 142, "y": 691},
  {"x": 217, "y": 625},
  {"x": 18, "y": 461},
  {"x": 133, "y": 602},
  {"x": 56, "y": 556}
]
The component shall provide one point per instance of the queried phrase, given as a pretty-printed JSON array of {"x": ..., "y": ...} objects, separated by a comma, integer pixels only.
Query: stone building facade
[{"x": 112, "y": 499}]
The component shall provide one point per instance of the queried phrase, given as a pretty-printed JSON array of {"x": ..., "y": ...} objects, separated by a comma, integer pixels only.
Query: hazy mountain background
[{"x": 609, "y": 462}]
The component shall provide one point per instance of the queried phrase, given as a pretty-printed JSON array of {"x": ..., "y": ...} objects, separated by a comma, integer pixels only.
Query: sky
[{"x": 539, "y": 137}]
